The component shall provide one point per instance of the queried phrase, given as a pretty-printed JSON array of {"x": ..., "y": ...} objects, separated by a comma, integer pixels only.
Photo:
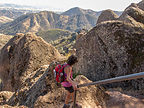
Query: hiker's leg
[
  {"x": 72, "y": 96},
  {"x": 67, "y": 97}
]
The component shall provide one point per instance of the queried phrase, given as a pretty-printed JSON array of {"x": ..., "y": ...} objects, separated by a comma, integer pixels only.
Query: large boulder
[
  {"x": 107, "y": 15},
  {"x": 111, "y": 49},
  {"x": 22, "y": 55},
  {"x": 134, "y": 16}
]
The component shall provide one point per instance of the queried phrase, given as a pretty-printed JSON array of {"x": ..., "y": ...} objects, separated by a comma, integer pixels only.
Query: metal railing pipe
[{"x": 116, "y": 79}]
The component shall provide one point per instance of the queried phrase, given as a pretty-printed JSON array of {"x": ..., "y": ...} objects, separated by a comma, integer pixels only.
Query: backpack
[{"x": 59, "y": 73}]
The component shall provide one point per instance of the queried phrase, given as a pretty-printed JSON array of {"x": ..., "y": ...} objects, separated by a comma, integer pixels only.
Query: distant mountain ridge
[
  {"x": 15, "y": 6},
  {"x": 4, "y": 19},
  {"x": 72, "y": 20},
  {"x": 13, "y": 13}
]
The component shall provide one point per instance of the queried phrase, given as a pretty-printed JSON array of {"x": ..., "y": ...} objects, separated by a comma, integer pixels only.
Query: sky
[{"x": 63, "y": 5}]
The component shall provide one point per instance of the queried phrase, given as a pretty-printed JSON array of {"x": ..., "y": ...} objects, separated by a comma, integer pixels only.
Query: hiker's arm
[{"x": 68, "y": 72}]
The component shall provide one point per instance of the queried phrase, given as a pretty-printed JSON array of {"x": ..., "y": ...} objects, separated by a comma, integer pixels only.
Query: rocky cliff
[
  {"x": 27, "y": 64},
  {"x": 113, "y": 48},
  {"x": 22, "y": 55},
  {"x": 40, "y": 90}
]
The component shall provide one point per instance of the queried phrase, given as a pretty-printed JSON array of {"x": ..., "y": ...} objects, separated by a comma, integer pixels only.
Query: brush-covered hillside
[
  {"x": 4, "y": 19},
  {"x": 65, "y": 44},
  {"x": 53, "y": 34},
  {"x": 72, "y": 20}
]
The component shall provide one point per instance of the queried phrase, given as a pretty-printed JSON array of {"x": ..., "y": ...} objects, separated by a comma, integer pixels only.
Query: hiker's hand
[{"x": 75, "y": 86}]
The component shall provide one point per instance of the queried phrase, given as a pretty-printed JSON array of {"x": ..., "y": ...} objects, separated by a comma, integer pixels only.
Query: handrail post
[{"x": 74, "y": 103}]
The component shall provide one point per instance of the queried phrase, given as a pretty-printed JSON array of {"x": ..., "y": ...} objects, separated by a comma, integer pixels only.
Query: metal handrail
[
  {"x": 111, "y": 80},
  {"x": 116, "y": 79}
]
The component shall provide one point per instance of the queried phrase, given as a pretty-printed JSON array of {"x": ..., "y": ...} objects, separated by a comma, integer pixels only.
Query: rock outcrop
[
  {"x": 4, "y": 39},
  {"x": 133, "y": 15},
  {"x": 41, "y": 91},
  {"x": 141, "y": 5},
  {"x": 121, "y": 100},
  {"x": 21, "y": 56},
  {"x": 107, "y": 15},
  {"x": 114, "y": 48},
  {"x": 87, "y": 97},
  {"x": 111, "y": 49},
  {"x": 27, "y": 70}
]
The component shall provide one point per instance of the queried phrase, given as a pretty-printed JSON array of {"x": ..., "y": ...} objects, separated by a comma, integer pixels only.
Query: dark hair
[{"x": 72, "y": 60}]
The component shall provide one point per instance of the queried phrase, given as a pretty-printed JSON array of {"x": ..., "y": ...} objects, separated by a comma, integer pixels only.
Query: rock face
[
  {"x": 120, "y": 100},
  {"x": 133, "y": 15},
  {"x": 21, "y": 56},
  {"x": 4, "y": 39},
  {"x": 141, "y": 5},
  {"x": 87, "y": 97},
  {"x": 107, "y": 15},
  {"x": 42, "y": 91},
  {"x": 112, "y": 49}
]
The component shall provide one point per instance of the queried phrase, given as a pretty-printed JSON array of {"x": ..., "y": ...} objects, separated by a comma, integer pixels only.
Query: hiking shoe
[
  {"x": 66, "y": 106},
  {"x": 77, "y": 106}
]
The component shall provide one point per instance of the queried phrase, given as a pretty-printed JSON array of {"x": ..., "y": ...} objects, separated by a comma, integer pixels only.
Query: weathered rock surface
[
  {"x": 41, "y": 91},
  {"x": 114, "y": 48},
  {"x": 4, "y": 39},
  {"x": 118, "y": 99},
  {"x": 133, "y": 15},
  {"x": 5, "y": 96},
  {"x": 21, "y": 56},
  {"x": 25, "y": 70},
  {"x": 107, "y": 15},
  {"x": 111, "y": 49},
  {"x": 87, "y": 97},
  {"x": 141, "y": 5}
]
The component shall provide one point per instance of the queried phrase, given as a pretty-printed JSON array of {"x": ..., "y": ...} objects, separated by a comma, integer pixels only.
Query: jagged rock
[
  {"x": 134, "y": 16},
  {"x": 79, "y": 35},
  {"x": 87, "y": 97},
  {"x": 4, "y": 39},
  {"x": 112, "y": 49},
  {"x": 5, "y": 96},
  {"x": 107, "y": 15},
  {"x": 21, "y": 56},
  {"x": 132, "y": 5},
  {"x": 41, "y": 91},
  {"x": 141, "y": 5}
]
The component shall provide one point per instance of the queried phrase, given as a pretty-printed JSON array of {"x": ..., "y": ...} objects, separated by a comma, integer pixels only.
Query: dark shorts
[{"x": 70, "y": 89}]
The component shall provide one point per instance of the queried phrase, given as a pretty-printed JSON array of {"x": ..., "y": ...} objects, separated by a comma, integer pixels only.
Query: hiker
[{"x": 69, "y": 84}]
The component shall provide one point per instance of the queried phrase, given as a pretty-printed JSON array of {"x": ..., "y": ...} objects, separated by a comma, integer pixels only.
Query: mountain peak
[{"x": 73, "y": 11}]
